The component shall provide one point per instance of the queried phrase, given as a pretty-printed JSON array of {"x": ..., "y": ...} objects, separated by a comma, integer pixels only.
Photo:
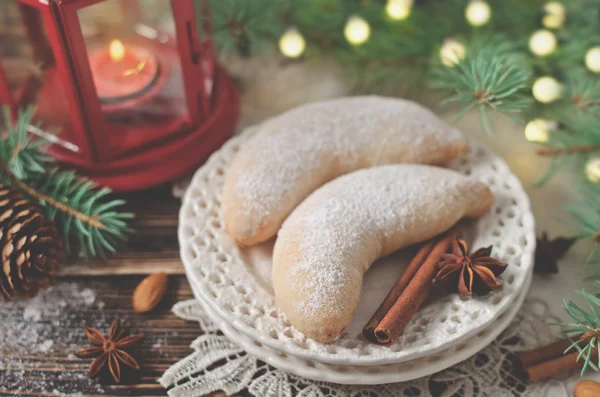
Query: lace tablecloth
[{"x": 217, "y": 363}]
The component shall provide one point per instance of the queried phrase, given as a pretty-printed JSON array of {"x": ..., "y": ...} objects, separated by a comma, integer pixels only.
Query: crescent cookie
[
  {"x": 327, "y": 244},
  {"x": 300, "y": 150}
]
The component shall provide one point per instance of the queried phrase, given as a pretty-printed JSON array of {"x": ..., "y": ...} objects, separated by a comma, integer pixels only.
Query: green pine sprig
[
  {"x": 575, "y": 142},
  {"x": 585, "y": 217},
  {"x": 83, "y": 211},
  {"x": 245, "y": 26},
  {"x": 585, "y": 321},
  {"x": 489, "y": 78},
  {"x": 89, "y": 218},
  {"x": 584, "y": 94},
  {"x": 25, "y": 156}
]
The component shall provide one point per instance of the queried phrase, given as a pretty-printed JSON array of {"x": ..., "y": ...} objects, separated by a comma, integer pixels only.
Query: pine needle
[{"x": 86, "y": 214}]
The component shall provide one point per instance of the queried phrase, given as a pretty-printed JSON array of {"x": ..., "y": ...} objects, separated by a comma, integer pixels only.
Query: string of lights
[{"x": 542, "y": 43}]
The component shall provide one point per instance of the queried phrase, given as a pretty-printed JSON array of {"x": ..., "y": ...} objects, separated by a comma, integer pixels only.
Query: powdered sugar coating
[
  {"x": 298, "y": 151},
  {"x": 332, "y": 238}
]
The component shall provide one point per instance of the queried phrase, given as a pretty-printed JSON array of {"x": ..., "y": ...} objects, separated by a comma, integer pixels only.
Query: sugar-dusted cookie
[
  {"x": 332, "y": 238},
  {"x": 300, "y": 150}
]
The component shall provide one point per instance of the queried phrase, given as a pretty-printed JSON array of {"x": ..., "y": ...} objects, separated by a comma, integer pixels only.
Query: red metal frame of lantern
[{"x": 148, "y": 153}]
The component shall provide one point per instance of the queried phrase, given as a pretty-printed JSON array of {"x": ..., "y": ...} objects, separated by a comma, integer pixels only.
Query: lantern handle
[{"x": 202, "y": 55}]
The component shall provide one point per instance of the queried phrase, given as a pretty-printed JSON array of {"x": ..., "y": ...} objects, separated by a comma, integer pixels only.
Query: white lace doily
[
  {"x": 236, "y": 282},
  {"x": 217, "y": 363}
]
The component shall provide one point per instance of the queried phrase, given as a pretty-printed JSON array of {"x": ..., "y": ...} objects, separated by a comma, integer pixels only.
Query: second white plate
[{"x": 369, "y": 375}]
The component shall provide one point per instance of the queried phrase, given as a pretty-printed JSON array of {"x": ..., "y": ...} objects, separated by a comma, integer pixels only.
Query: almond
[
  {"x": 149, "y": 292},
  {"x": 587, "y": 388}
]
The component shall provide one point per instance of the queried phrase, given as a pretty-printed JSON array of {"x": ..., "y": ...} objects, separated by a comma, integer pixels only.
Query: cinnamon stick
[
  {"x": 396, "y": 291},
  {"x": 544, "y": 353},
  {"x": 413, "y": 296},
  {"x": 552, "y": 367}
]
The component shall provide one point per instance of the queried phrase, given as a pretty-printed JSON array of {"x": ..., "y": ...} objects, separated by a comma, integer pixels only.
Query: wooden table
[{"x": 57, "y": 372}]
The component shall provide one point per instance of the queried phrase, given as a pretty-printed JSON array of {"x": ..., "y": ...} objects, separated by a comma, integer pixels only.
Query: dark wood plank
[
  {"x": 152, "y": 248},
  {"x": 58, "y": 372}
]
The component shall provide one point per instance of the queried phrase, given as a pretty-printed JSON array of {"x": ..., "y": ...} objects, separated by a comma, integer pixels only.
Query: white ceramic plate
[
  {"x": 369, "y": 375},
  {"x": 236, "y": 282}
]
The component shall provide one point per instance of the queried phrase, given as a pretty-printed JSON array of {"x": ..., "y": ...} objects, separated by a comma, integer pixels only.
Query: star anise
[
  {"x": 549, "y": 251},
  {"x": 469, "y": 273},
  {"x": 110, "y": 352}
]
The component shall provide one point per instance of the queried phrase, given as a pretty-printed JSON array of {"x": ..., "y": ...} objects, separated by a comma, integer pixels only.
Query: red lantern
[{"x": 131, "y": 90}]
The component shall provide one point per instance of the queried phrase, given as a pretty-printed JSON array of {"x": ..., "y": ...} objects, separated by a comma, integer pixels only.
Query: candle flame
[{"x": 117, "y": 50}]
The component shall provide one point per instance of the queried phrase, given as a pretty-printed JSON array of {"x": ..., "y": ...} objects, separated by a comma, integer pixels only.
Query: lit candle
[{"x": 122, "y": 72}]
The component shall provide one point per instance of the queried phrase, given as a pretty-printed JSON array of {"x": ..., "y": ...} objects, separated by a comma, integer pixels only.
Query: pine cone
[{"x": 31, "y": 251}]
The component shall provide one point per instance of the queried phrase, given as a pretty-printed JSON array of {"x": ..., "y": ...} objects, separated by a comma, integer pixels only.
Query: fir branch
[
  {"x": 585, "y": 321},
  {"x": 584, "y": 93},
  {"x": 24, "y": 155},
  {"x": 248, "y": 26},
  {"x": 562, "y": 151},
  {"x": 574, "y": 142},
  {"x": 487, "y": 78},
  {"x": 84, "y": 212},
  {"x": 586, "y": 216},
  {"x": 322, "y": 21},
  {"x": 70, "y": 211},
  {"x": 72, "y": 201}
]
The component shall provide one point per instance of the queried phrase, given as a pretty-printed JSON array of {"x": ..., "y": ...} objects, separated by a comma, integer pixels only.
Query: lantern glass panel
[
  {"x": 32, "y": 75},
  {"x": 136, "y": 71}
]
